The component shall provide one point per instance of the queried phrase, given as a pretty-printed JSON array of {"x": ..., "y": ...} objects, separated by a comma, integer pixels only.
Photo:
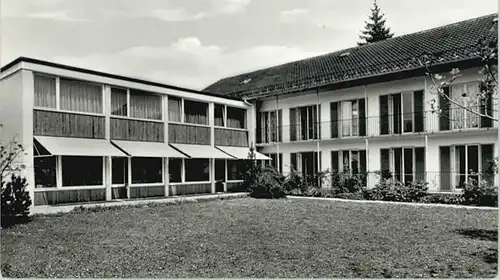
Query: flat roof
[{"x": 109, "y": 75}]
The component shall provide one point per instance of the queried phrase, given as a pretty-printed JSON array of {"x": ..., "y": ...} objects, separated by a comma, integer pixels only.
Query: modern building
[
  {"x": 368, "y": 108},
  {"x": 92, "y": 136}
]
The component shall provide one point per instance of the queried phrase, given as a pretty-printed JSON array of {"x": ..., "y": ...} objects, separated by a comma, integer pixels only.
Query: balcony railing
[{"x": 389, "y": 124}]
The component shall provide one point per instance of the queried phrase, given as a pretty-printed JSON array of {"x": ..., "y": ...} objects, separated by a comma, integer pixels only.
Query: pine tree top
[{"x": 375, "y": 29}]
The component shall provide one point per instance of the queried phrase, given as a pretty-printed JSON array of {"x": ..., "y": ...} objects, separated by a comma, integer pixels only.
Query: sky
[{"x": 193, "y": 43}]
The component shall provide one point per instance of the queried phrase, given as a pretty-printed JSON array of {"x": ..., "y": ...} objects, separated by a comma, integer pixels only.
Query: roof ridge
[{"x": 356, "y": 47}]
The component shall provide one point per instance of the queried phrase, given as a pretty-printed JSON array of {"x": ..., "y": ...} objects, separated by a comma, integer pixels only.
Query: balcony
[{"x": 416, "y": 123}]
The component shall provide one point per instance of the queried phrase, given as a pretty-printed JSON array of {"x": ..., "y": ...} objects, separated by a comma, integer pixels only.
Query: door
[{"x": 220, "y": 174}]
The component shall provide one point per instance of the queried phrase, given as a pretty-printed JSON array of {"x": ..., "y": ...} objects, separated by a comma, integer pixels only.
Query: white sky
[{"x": 193, "y": 43}]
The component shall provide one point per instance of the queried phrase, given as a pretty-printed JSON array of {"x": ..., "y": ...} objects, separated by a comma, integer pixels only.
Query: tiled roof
[{"x": 449, "y": 43}]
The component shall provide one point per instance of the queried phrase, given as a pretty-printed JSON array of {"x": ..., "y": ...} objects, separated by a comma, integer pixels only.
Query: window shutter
[
  {"x": 397, "y": 113},
  {"x": 335, "y": 160},
  {"x": 384, "y": 114},
  {"x": 362, "y": 160},
  {"x": 487, "y": 170},
  {"x": 418, "y": 110},
  {"x": 334, "y": 119},
  {"x": 420, "y": 164},
  {"x": 293, "y": 161},
  {"x": 385, "y": 163},
  {"x": 487, "y": 109},
  {"x": 444, "y": 116},
  {"x": 293, "y": 124},
  {"x": 362, "y": 117},
  {"x": 280, "y": 126}
]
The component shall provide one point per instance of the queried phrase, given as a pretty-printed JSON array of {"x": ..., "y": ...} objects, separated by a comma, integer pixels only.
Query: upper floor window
[
  {"x": 73, "y": 95},
  {"x": 305, "y": 123},
  {"x": 195, "y": 112},
  {"x": 45, "y": 91},
  {"x": 226, "y": 116},
  {"x": 269, "y": 126},
  {"x": 174, "y": 109},
  {"x": 462, "y": 112},
  {"x": 135, "y": 104},
  {"x": 402, "y": 112},
  {"x": 81, "y": 96},
  {"x": 348, "y": 118}
]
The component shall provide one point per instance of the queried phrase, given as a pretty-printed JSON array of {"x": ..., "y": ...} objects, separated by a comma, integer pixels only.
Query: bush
[
  {"x": 15, "y": 200},
  {"x": 444, "y": 198},
  {"x": 294, "y": 183},
  {"x": 482, "y": 193},
  {"x": 268, "y": 184},
  {"x": 344, "y": 182},
  {"x": 392, "y": 190}
]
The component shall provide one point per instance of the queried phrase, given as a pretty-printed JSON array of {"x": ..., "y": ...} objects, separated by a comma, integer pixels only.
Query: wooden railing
[
  {"x": 188, "y": 134},
  {"x": 63, "y": 124},
  {"x": 136, "y": 130},
  {"x": 231, "y": 137}
]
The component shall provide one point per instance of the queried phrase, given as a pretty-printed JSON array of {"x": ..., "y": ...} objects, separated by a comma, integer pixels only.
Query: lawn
[{"x": 256, "y": 238}]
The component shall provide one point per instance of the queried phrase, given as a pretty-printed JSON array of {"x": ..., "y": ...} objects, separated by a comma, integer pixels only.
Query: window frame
[
  {"x": 467, "y": 115},
  {"x": 266, "y": 134},
  {"x": 182, "y": 112},
  {"x": 403, "y": 172},
  {"x": 315, "y": 129},
  {"x": 391, "y": 115},
  {"x": 128, "y": 117},
  {"x": 131, "y": 173}
]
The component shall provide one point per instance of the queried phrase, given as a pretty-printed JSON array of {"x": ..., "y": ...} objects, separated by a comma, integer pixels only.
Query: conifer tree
[{"x": 375, "y": 29}]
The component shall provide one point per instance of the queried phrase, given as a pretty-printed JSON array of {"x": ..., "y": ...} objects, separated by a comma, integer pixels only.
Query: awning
[
  {"x": 242, "y": 152},
  {"x": 148, "y": 149},
  {"x": 201, "y": 151},
  {"x": 62, "y": 146}
]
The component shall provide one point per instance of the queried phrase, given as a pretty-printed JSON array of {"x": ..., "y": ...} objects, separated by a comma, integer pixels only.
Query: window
[
  {"x": 195, "y": 112},
  {"x": 175, "y": 170},
  {"x": 304, "y": 123},
  {"x": 403, "y": 164},
  {"x": 147, "y": 170},
  {"x": 462, "y": 163},
  {"x": 119, "y": 166},
  {"x": 197, "y": 170},
  {"x": 82, "y": 171},
  {"x": 350, "y": 161},
  {"x": 81, "y": 96},
  {"x": 402, "y": 112},
  {"x": 274, "y": 161},
  {"x": 119, "y": 102},
  {"x": 174, "y": 109},
  {"x": 145, "y": 105},
  {"x": 236, "y": 117},
  {"x": 269, "y": 127},
  {"x": 45, "y": 91},
  {"x": 219, "y": 114},
  {"x": 348, "y": 118},
  {"x": 306, "y": 163},
  {"x": 467, "y": 95},
  {"x": 45, "y": 171},
  {"x": 235, "y": 169}
]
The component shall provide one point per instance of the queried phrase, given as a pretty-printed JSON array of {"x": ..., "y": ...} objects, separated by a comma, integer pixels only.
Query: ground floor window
[
  {"x": 175, "y": 170},
  {"x": 82, "y": 171},
  {"x": 235, "y": 169},
  {"x": 45, "y": 171},
  {"x": 147, "y": 170},
  {"x": 306, "y": 163},
  {"x": 460, "y": 164},
  {"x": 197, "y": 170},
  {"x": 403, "y": 164},
  {"x": 274, "y": 161},
  {"x": 119, "y": 173},
  {"x": 351, "y": 161}
]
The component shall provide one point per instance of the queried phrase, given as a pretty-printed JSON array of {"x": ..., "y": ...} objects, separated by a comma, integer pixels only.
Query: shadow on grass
[
  {"x": 481, "y": 234},
  {"x": 11, "y": 221}
]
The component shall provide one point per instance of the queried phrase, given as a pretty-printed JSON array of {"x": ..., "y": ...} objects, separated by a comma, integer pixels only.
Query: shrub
[
  {"x": 294, "y": 183},
  {"x": 15, "y": 200},
  {"x": 344, "y": 182},
  {"x": 444, "y": 198},
  {"x": 392, "y": 190},
  {"x": 268, "y": 184},
  {"x": 481, "y": 193}
]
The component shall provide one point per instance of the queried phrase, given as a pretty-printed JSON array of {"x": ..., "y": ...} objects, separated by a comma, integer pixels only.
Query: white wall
[{"x": 16, "y": 101}]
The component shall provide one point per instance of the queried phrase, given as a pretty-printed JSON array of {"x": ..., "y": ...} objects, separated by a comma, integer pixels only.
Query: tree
[{"x": 375, "y": 30}]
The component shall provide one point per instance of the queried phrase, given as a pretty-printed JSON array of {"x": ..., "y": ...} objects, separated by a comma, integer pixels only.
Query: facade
[
  {"x": 91, "y": 136},
  {"x": 368, "y": 109}
]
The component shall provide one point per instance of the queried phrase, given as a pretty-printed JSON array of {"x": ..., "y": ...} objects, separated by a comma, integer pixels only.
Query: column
[
  {"x": 107, "y": 132},
  {"x": 166, "y": 170}
]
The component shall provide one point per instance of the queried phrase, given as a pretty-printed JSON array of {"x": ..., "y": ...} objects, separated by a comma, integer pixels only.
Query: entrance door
[{"x": 220, "y": 176}]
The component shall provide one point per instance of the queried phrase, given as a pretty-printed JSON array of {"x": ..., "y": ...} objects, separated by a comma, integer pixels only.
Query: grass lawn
[{"x": 256, "y": 238}]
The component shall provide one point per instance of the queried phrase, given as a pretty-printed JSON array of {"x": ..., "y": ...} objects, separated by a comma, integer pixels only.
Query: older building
[{"x": 367, "y": 109}]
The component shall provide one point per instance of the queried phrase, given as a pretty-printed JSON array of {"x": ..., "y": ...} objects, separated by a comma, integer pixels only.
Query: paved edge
[
  {"x": 56, "y": 209},
  {"x": 396, "y": 203}
]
